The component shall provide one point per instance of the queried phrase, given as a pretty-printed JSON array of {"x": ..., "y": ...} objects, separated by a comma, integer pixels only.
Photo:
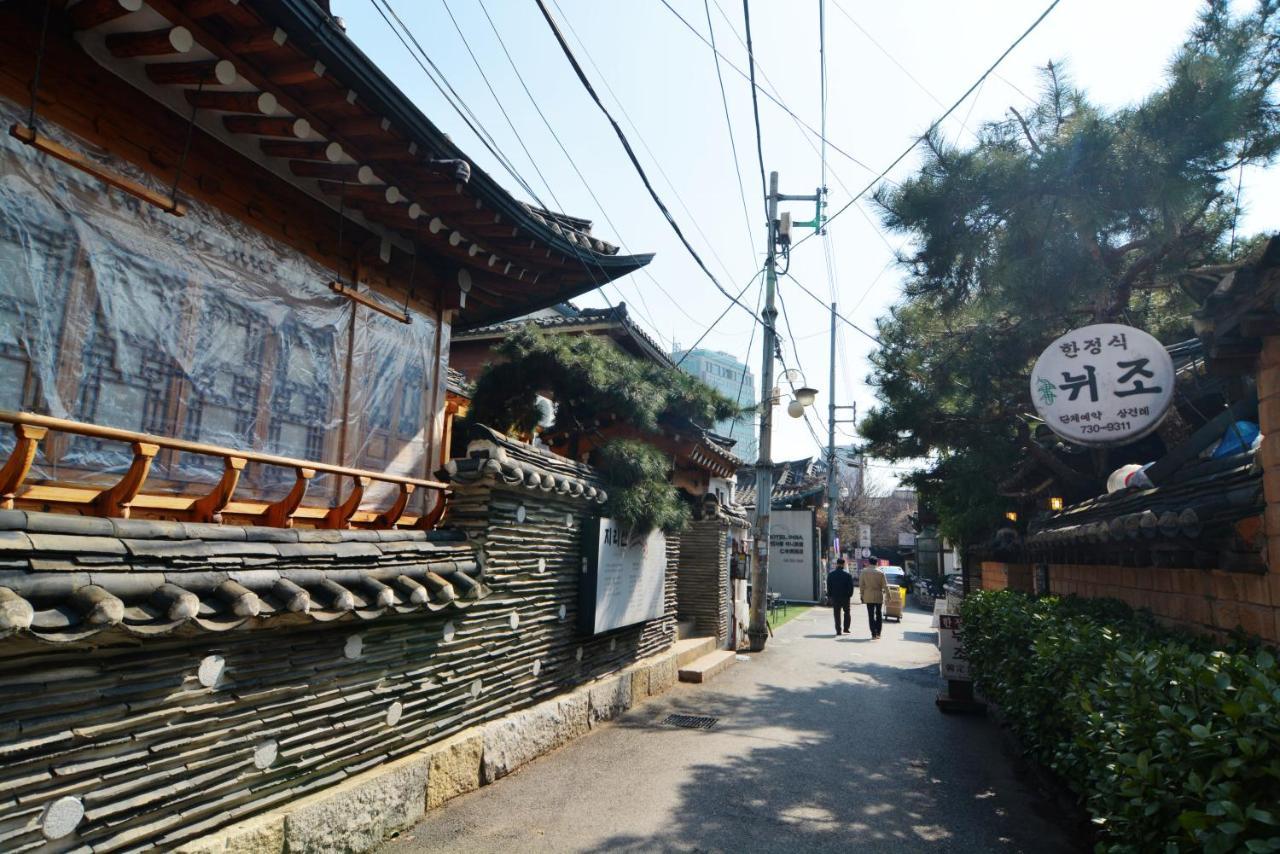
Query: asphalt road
[{"x": 822, "y": 744}]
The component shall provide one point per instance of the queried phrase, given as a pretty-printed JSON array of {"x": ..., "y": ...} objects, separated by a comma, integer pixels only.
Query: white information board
[
  {"x": 1105, "y": 384},
  {"x": 793, "y": 561},
  {"x": 954, "y": 664},
  {"x": 624, "y": 578}
]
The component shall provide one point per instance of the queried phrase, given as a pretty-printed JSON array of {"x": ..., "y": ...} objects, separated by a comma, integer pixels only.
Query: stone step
[
  {"x": 708, "y": 666},
  {"x": 689, "y": 649}
]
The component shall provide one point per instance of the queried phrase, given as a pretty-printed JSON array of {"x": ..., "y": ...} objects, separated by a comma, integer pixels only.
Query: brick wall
[
  {"x": 1207, "y": 601},
  {"x": 1006, "y": 576}
]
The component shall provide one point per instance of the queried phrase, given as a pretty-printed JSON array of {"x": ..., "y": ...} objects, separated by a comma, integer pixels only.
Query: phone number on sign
[{"x": 1109, "y": 427}]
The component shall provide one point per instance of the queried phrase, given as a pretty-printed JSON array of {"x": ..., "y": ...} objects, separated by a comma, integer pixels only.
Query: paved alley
[{"x": 822, "y": 744}]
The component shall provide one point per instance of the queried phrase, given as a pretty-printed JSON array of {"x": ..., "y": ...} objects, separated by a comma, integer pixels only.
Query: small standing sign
[{"x": 954, "y": 666}]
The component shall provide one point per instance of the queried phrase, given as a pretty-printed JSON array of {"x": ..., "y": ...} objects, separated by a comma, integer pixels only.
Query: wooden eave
[{"x": 339, "y": 130}]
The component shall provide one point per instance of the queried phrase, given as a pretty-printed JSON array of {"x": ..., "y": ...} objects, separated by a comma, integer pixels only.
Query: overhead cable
[
  {"x": 635, "y": 162},
  {"x": 733, "y": 145},
  {"x": 940, "y": 119}
]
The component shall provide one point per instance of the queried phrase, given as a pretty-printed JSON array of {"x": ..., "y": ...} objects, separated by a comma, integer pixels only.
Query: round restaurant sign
[{"x": 1105, "y": 384}]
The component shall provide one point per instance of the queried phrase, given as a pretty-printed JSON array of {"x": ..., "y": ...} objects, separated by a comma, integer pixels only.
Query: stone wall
[
  {"x": 704, "y": 578},
  {"x": 129, "y": 741}
]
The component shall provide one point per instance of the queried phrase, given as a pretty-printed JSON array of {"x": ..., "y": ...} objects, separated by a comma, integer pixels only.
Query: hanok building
[
  {"x": 231, "y": 254},
  {"x": 713, "y": 550},
  {"x": 1196, "y": 543}
]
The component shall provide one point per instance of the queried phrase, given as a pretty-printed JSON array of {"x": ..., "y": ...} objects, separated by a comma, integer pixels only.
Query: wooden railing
[{"x": 126, "y": 494}]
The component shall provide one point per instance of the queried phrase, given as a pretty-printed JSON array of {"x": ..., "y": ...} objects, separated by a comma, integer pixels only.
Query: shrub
[{"x": 1170, "y": 744}]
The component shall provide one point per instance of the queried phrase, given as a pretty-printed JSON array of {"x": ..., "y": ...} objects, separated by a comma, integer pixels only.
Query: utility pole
[
  {"x": 833, "y": 486},
  {"x": 758, "y": 630},
  {"x": 832, "y": 498}
]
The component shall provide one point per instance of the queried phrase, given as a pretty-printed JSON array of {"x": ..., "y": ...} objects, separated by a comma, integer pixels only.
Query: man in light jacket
[{"x": 874, "y": 589}]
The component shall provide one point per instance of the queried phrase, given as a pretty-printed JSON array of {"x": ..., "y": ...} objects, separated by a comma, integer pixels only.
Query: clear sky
[{"x": 892, "y": 69}]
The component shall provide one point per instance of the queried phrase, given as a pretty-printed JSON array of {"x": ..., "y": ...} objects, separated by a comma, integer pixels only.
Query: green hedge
[{"x": 1171, "y": 745}]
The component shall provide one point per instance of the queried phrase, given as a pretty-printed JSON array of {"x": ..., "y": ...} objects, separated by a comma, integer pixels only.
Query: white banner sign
[
  {"x": 1105, "y": 384},
  {"x": 864, "y": 536},
  {"x": 624, "y": 583},
  {"x": 793, "y": 562}
]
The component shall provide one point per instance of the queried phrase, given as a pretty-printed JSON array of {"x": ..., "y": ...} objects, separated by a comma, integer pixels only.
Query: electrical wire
[
  {"x": 733, "y": 145},
  {"x": 716, "y": 322},
  {"x": 477, "y": 127},
  {"x": 764, "y": 92},
  {"x": 1053, "y": 5},
  {"x": 644, "y": 143},
  {"x": 565, "y": 151},
  {"x": 755, "y": 112},
  {"x": 635, "y": 162}
]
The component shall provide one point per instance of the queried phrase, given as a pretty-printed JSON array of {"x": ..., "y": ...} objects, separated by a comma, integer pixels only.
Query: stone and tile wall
[
  {"x": 704, "y": 578},
  {"x": 131, "y": 742}
]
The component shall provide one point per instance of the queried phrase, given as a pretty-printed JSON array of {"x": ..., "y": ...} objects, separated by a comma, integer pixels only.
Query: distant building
[{"x": 735, "y": 381}]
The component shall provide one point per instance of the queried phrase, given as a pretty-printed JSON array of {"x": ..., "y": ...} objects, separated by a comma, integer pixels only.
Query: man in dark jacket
[{"x": 840, "y": 591}]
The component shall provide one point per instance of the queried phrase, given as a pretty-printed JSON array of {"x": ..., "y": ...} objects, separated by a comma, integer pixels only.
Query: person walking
[
  {"x": 840, "y": 591},
  {"x": 874, "y": 588}
]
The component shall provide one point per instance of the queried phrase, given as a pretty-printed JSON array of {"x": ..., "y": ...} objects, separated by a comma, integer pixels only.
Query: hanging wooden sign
[{"x": 1104, "y": 384}]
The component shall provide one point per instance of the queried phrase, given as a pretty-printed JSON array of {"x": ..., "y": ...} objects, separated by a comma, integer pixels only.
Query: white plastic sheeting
[{"x": 198, "y": 327}]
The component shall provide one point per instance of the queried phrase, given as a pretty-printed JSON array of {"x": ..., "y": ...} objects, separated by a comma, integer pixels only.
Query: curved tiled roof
[
  {"x": 64, "y": 578},
  {"x": 493, "y": 457}
]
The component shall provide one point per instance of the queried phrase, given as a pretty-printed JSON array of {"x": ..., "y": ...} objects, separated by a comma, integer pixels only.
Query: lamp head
[
  {"x": 805, "y": 396},
  {"x": 795, "y": 409}
]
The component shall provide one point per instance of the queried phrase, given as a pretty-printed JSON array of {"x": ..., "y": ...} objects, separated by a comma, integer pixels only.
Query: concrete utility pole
[
  {"x": 758, "y": 630},
  {"x": 833, "y": 499}
]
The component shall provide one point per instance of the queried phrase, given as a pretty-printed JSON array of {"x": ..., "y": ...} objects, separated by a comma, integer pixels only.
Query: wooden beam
[
  {"x": 210, "y": 507},
  {"x": 205, "y": 8},
  {"x": 164, "y": 42},
  {"x": 330, "y": 152},
  {"x": 256, "y": 41},
  {"x": 396, "y": 510},
  {"x": 295, "y": 73},
  {"x": 79, "y": 161},
  {"x": 340, "y": 516},
  {"x": 233, "y": 102},
  {"x": 280, "y": 514},
  {"x": 19, "y": 463},
  {"x": 328, "y": 171},
  {"x": 221, "y": 72},
  {"x": 363, "y": 126},
  {"x": 268, "y": 126},
  {"x": 354, "y": 295},
  {"x": 115, "y": 501},
  {"x": 88, "y": 14}
]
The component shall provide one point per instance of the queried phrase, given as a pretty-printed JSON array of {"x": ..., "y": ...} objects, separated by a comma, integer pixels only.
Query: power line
[
  {"x": 502, "y": 159},
  {"x": 565, "y": 151},
  {"x": 827, "y": 307},
  {"x": 765, "y": 92},
  {"x": 716, "y": 322},
  {"x": 733, "y": 145},
  {"x": 941, "y": 118},
  {"x": 755, "y": 110},
  {"x": 635, "y": 162},
  {"x": 644, "y": 143}
]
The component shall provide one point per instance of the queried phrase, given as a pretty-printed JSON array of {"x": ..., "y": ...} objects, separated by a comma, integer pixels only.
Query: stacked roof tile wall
[{"x": 134, "y": 740}]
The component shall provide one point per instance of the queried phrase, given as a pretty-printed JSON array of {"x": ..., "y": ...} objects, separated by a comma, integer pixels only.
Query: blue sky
[{"x": 889, "y": 66}]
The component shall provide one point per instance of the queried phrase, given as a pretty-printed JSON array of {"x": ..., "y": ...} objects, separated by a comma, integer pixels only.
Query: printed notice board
[
  {"x": 793, "y": 560},
  {"x": 623, "y": 577}
]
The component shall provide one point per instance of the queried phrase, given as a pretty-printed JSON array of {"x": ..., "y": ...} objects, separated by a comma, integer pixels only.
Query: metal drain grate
[{"x": 690, "y": 721}]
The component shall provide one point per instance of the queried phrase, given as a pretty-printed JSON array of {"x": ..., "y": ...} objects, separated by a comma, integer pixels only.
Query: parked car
[{"x": 897, "y": 579}]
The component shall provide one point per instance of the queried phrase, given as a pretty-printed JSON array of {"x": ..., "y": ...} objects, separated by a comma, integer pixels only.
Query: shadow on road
[{"x": 848, "y": 764}]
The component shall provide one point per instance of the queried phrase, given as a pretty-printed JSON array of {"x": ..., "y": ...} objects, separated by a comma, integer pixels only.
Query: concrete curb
[{"x": 359, "y": 813}]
